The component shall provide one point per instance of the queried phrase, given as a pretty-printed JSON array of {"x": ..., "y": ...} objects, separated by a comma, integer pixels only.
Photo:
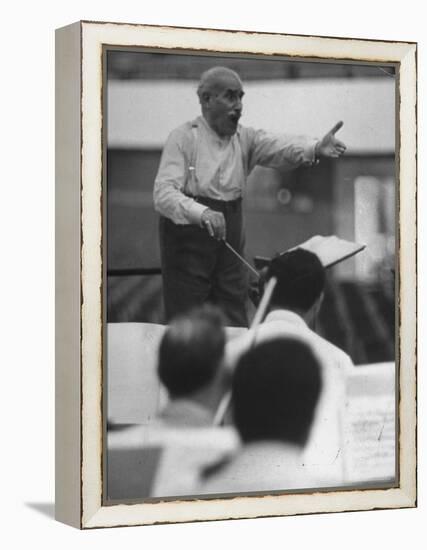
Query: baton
[
  {"x": 246, "y": 263},
  {"x": 208, "y": 226}
]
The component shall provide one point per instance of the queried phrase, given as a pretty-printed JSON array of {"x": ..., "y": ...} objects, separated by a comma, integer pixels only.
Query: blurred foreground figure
[
  {"x": 190, "y": 368},
  {"x": 190, "y": 357},
  {"x": 165, "y": 457},
  {"x": 275, "y": 390},
  {"x": 294, "y": 305},
  {"x": 198, "y": 192}
]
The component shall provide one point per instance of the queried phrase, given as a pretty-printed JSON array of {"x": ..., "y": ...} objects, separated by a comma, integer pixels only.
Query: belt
[{"x": 208, "y": 201}]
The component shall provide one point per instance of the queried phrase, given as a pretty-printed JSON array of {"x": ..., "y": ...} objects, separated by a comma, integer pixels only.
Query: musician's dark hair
[
  {"x": 191, "y": 350},
  {"x": 300, "y": 280},
  {"x": 276, "y": 386}
]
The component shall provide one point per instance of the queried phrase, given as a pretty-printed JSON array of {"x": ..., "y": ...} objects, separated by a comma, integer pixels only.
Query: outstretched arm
[
  {"x": 286, "y": 152},
  {"x": 329, "y": 145}
]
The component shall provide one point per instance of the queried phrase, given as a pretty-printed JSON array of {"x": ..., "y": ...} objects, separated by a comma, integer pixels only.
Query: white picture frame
[{"x": 80, "y": 273}]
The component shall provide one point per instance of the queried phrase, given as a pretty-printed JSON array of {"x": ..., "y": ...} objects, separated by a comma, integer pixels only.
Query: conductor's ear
[{"x": 204, "y": 98}]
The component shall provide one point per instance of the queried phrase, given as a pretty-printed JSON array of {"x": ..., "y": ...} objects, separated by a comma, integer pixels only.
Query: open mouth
[{"x": 234, "y": 118}]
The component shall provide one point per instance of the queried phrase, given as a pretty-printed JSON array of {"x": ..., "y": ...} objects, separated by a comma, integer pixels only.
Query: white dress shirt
[
  {"x": 261, "y": 466},
  {"x": 221, "y": 165}
]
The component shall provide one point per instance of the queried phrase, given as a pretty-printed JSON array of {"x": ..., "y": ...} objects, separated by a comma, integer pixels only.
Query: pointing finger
[{"x": 337, "y": 127}]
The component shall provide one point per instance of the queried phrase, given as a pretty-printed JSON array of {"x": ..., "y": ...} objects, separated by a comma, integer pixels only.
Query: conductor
[{"x": 198, "y": 192}]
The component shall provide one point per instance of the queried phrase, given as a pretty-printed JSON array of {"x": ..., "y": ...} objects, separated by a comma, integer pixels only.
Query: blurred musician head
[
  {"x": 190, "y": 356},
  {"x": 276, "y": 386},
  {"x": 300, "y": 283}
]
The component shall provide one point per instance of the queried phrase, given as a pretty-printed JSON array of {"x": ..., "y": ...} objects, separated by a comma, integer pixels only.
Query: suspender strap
[
  {"x": 193, "y": 158},
  {"x": 194, "y": 151}
]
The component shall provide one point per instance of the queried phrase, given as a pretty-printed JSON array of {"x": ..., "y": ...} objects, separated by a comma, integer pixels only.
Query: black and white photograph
[
  {"x": 278, "y": 139},
  {"x": 251, "y": 268}
]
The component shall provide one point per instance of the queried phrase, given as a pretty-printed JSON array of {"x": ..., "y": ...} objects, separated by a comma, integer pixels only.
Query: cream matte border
[{"x": 93, "y": 37}]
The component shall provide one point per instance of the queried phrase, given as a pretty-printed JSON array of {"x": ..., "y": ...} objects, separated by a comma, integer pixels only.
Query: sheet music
[
  {"x": 331, "y": 249},
  {"x": 369, "y": 426}
]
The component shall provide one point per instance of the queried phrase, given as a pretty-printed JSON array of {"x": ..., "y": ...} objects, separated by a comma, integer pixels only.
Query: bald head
[
  {"x": 220, "y": 93},
  {"x": 216, "y": 78}
]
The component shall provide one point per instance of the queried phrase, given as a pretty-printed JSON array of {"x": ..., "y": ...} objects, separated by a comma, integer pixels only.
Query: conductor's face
[{"x": 223, "y": 105}]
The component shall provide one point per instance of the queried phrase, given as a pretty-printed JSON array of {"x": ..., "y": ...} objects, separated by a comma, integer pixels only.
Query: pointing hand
[{"x": 329, "y": 145}]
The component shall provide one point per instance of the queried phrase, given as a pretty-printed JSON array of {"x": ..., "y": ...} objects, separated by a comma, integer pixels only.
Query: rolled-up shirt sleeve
[
  {"x": 281, "y": 151},
  {"x": 169, "y": 185}
]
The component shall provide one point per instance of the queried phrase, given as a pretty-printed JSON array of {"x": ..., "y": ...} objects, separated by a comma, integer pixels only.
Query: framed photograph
[{"x": 200, "y": 175}]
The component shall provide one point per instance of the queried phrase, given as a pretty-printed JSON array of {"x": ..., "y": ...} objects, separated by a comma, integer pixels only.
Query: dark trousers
[{"x": 197, "y": 268}]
